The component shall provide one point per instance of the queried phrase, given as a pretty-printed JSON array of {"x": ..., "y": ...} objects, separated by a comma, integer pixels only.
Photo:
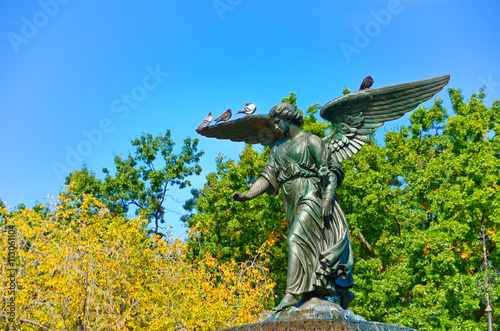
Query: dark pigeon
[
  {"x": 224, "y": 117},
  {"x": 367, "y": 83}
]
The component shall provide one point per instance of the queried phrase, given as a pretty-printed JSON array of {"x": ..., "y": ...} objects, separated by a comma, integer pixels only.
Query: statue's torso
[
  {"x": 296, "y": 173},
  {"x": 293, "y": 159}
]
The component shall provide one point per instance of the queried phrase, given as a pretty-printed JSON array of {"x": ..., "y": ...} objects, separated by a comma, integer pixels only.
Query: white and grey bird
[
  {"x": 224, "y": 117},
  {"x": 206, "y": 122},
  {"x": 249, "y": 109}
]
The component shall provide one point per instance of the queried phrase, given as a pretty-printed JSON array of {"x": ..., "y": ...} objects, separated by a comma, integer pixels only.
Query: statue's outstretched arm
[{"x": 259, "y": 187}]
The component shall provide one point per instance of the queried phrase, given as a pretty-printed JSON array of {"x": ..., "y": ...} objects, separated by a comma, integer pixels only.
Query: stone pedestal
[
  {"x": 317, "y": 325},
  {"x": 316, "y": 314}
]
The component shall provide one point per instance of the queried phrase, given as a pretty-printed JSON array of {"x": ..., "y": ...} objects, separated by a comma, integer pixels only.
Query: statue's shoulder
[{"x": 313, "y": 139}]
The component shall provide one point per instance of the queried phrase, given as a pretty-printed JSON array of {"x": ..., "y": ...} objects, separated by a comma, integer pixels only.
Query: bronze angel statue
[{"x": 306, "y": 169}]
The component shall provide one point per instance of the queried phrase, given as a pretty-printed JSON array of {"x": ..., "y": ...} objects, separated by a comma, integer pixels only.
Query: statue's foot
[
  {"x": 345, "y": 299},
  {"x": 287, "y": 301}
]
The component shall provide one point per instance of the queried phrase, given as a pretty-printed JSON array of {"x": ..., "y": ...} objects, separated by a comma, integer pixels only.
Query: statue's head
[{"x": 287, "y": 112}]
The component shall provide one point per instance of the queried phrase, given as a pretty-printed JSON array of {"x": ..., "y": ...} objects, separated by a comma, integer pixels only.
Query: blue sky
[{"x": 78, "y": 79}]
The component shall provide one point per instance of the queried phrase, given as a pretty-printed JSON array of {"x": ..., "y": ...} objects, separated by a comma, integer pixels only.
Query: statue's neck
[{"x": 293, "y": 132}]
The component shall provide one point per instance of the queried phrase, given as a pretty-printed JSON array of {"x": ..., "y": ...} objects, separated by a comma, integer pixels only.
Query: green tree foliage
[
  {"x": 143, "y": 179},
  {"x": 414, "y": 208}
]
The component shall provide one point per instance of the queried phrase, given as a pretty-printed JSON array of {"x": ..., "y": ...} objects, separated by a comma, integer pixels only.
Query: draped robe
[{"x": 320, "y": 254}]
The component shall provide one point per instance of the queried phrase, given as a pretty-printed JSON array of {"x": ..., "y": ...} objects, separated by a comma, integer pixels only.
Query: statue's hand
[
  {"x": 237, "y": 196},
  {"x": 326, "y": 208}
]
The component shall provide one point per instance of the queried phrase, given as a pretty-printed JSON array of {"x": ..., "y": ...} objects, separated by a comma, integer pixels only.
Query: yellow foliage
[{"x": 82, "y": 269}]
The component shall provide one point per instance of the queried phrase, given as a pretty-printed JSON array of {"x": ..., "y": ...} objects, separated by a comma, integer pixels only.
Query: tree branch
[
  {"x": 367, "y": 245},
  {"x": 164, "y": 193},
  {"x": 23, "y": 320}
]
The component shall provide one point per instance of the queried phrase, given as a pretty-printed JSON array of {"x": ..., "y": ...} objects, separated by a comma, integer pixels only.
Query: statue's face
[{"x": 281, "y": 124}]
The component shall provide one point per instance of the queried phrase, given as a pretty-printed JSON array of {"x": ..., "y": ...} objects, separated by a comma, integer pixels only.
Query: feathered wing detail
[
  {"x": 355, "y": 115},
  {"x": 252, "y": 129}
]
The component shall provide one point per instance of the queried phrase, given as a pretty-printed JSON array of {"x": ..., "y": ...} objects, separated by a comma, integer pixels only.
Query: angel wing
[
  {"x": 355, "y": 115},
  {"x": 252, "y": 129}
]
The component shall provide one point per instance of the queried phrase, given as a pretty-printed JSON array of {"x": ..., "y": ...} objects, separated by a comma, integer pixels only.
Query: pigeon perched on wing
[
  {"x": 249, "y": 109},
  {"x": 224, "y": 117},
  {"x": 367, "y": 83},
  {"x": 206, "y": 122},
  {"x": 354, "y": 117}
]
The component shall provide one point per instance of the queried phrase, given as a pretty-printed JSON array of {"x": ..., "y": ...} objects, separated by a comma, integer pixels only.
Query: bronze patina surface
[{"x": 306, "y": 170}]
